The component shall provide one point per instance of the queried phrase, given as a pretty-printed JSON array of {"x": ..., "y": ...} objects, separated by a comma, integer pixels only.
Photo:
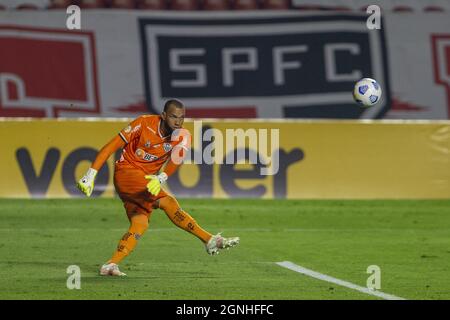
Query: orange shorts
[{"x": 131, "y": 185}]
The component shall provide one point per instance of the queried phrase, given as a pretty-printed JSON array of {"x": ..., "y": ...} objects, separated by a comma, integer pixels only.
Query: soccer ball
[{"x": 367, "y": 92}]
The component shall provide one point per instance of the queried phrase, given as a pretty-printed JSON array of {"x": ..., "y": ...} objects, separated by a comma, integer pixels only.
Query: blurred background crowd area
[{"x": 402, "y": 6}]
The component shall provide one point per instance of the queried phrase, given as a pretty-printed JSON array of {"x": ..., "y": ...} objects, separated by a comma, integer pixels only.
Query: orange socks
[
  {"x": 182, "y": 219},
  {"x": 139, "y": 224}
]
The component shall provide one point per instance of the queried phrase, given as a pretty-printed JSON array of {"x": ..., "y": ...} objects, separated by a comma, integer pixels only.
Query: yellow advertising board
[{"x": 294, "y": 159}]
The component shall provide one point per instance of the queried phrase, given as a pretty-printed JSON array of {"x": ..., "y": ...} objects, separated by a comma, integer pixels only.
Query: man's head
[{"x": 173, "y": 114}]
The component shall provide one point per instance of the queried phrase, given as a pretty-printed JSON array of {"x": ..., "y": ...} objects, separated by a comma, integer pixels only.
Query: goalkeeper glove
[
  {"x": 86, "y": 184},
  {"x": 154, "y": 185}
]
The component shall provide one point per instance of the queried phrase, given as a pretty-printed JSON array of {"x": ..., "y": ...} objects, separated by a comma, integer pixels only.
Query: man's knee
[
  {"x": 168, "y": 203},
  {"x": 140, "y": 222}
]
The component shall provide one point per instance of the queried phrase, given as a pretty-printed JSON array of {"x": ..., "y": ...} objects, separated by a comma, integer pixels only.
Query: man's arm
[
  {"x": 86, "y": 184},
  {"x": 108, "y": 149}
]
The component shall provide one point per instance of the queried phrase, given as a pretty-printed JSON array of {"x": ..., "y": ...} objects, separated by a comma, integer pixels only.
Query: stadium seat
[
  {"x": 344, "y": 5},
  {"x": 184, "y": 5},
  {"x": 398, "y": 6},
  {"x": 402, "y": 9},
  {"x": 123, "y": 4},
  {"x": 275, "y": 4},
  {"x": 437, "y": 6},
  {"x": 152, "y": 4},
  {"x": 340, "y": 8},
  {"x": 308, "y": 7},
  {"x": 361, "y": 5},
  {"x": 27, "y": 6},
  {"x": 320, "y": 4},
  {"x": 364, "y": 8},
  {"x": 93, "y": 4},
  {"x": 60, "y": 4},
  {"x": 245, "y": 5},
  {"x": 433, "y": 9},
  {"x": 215, "y": 5}
]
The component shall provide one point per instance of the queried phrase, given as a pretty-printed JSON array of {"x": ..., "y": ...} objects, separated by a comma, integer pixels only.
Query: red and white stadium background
[
  {"x": 223, "y": 65},
  {"x": 230, "y": 65}
]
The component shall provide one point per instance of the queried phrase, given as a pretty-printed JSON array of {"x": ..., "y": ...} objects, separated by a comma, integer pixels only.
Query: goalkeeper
[{"x": 149, "y": 142}]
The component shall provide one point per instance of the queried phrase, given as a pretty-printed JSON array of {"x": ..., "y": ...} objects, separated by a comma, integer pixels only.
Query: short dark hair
[{"x": 174, "y": 102}]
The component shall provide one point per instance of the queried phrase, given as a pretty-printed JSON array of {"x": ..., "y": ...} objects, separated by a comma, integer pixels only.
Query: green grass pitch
[{"x": 408, "y": 240}]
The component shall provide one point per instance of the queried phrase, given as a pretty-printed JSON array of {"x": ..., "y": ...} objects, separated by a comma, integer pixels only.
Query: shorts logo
[
  {"x": 268, "y": 61},
  {"x": 441, "y": 63},
  {"x": 44, "y": 84}
]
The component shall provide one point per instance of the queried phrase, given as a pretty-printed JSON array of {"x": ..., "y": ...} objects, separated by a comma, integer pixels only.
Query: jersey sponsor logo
[
  {"x": 57, "y": 79},
  {"x": 141, "y": 154},
  {"x": 167, "y": 146},
  {"x": 150, "y": 157},
  {"x": 296, "y": 66}
]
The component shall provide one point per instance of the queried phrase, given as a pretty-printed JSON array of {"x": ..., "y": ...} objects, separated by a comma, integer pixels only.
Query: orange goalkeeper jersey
[{"x": 146, "y": 148}]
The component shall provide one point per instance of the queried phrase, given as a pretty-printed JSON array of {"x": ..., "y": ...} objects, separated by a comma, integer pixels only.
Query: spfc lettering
[{"x": 298, "y": 66}]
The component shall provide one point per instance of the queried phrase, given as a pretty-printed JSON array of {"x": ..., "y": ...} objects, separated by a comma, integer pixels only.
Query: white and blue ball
[{"x": 367, "y": 92}]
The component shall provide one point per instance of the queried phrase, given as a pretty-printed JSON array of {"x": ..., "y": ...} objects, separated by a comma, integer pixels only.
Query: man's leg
[
  {"x": 138, "y": 226},
  {"x": 181, "y": 218},
  {"x": 130, "y": 185}
]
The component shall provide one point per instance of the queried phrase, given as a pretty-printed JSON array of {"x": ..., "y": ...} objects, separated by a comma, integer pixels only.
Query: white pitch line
[{"x": 292, "y": 266}]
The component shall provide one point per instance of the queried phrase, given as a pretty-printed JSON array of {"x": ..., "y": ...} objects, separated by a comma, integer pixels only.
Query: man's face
[{"x": 173, "y": 117}]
